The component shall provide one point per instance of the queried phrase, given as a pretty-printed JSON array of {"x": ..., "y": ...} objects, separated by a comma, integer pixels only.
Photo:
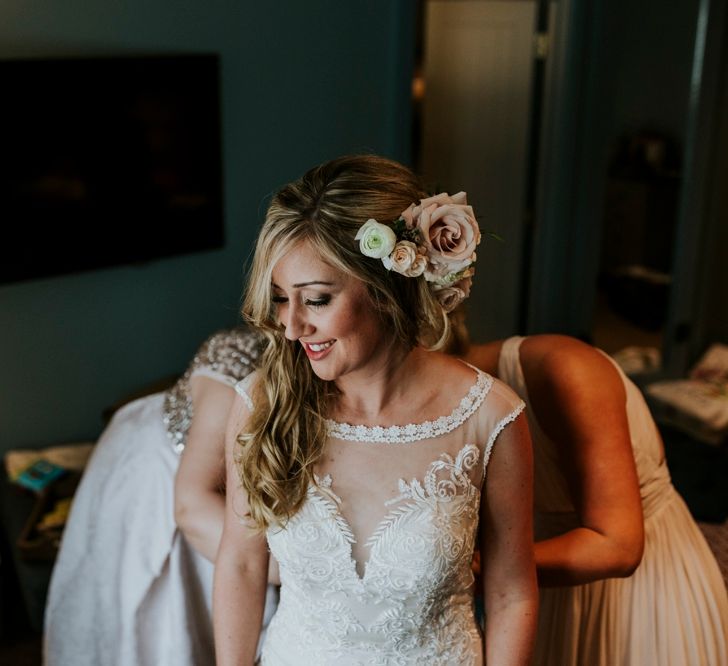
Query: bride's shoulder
[
  {"x": 456, "y": 377},
  {"x": 491, "y": 403},
  {"x": 450, "y": 375},
  {"x": 504, "y": 399},
  {"x": 440, "y": 362},
  {"x": 453, "y": 380}
]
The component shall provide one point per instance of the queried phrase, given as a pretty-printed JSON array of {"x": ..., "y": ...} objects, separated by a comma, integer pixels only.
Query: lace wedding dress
[{"x": 376, "y": 565}]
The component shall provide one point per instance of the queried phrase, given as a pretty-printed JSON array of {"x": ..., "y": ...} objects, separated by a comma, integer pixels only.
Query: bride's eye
[
  {"x": 279, "y": 299},
  {"x": 318, "y": 302}
]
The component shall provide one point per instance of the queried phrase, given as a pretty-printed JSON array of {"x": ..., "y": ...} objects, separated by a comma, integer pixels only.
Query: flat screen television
[{"x": 108, "y": 161}]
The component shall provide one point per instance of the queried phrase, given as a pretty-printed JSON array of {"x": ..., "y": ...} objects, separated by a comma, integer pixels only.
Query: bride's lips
[{"x": 317, "y": 350}]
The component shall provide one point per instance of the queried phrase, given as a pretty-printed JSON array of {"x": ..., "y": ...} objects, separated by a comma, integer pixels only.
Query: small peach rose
[
  {"x": 465, "y": 285},
  {"x": 402, "y": 258},
  {"x": 418, "y": 267}
]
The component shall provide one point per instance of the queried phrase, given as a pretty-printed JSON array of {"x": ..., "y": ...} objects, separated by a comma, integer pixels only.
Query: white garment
[
  {"x": 116, "y": 594},
  {"x": 127, "y": 589},
  {"x": 376, "y": 568},
  {"x": 673, "y": 610}
]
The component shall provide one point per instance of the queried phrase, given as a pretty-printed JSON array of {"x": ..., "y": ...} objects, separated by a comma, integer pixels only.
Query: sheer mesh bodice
[{"x": 376, "y": 565}]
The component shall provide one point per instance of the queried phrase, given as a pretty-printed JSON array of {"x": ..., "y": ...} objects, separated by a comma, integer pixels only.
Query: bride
[{"x": 367, "y": 463}]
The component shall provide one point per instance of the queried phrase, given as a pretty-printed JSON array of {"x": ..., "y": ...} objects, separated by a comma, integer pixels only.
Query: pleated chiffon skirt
[{"x": 673, "y": 611}]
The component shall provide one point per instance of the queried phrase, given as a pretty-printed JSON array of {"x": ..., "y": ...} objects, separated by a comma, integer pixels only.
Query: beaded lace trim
[
  {"x": 413, "y": 432},
  {"x": 509, "y": 418}
]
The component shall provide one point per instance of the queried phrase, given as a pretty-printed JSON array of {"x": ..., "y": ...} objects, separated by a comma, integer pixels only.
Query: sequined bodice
[
  {"x": 228, "y": 356},
  {"x": 383, "y": 575}
]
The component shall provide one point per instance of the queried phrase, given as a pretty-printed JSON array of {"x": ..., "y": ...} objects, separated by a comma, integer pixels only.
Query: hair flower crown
[{"x": 435, "y": 238}]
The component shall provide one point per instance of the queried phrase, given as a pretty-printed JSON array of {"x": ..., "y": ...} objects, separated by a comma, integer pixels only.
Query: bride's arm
[
  {"x": 506, "y": 542},
  {"x": 241, "y": 567}
]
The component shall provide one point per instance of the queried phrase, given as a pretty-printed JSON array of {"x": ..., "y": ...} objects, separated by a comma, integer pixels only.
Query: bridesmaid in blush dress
[{"x": 626, "y": 576}]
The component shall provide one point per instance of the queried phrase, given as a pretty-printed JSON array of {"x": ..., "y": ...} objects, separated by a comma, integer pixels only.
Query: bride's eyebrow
[{"x": 298, "y": 285}]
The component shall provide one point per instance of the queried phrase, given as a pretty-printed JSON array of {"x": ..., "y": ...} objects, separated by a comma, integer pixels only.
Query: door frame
[{"x": 567, "y": 236}]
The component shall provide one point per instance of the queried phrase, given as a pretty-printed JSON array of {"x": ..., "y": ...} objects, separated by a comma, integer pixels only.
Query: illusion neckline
[{"x": 413, "y": 432}]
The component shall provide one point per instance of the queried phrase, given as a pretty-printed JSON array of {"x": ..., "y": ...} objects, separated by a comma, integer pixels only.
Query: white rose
[{"x": 376, "y": 240}]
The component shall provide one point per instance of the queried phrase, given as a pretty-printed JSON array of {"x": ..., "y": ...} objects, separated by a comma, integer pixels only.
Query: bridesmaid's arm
[
  {"x": 241, "y": 567},
  {"x": 506, "y": 543},
  {"x": 579, "y": 400},
  {"x": 199, "y": 503}
]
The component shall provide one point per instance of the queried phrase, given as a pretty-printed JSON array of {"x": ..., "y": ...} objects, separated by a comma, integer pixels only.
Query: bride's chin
[{"x": 322, "y": 373}]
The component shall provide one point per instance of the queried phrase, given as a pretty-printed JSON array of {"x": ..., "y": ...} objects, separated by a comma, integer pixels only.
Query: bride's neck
[{"x": 371, "y": 394}]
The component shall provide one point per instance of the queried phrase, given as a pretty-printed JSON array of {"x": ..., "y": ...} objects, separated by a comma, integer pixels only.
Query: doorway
[{"x": 477, "y": 95}]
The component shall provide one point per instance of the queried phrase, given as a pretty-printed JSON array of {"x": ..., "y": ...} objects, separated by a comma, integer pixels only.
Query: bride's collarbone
[{"x": 430, "y": 391}]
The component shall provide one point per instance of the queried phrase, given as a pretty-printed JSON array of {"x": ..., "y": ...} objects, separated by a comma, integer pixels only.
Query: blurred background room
[{"x": 140, "y": 142}]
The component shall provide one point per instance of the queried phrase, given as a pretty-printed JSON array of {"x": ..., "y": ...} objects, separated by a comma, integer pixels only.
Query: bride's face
[{"x": 329, "y": 313}]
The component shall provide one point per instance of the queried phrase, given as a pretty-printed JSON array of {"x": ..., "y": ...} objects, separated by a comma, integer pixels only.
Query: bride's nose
[{"x": 295, "y": 321}]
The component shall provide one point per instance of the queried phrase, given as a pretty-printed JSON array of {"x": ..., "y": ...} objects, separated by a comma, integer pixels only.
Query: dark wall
[
  {"x": 649, "y": 51},
  {"x": 301, "y": 82},
  {"x": 714, "y": 305}
]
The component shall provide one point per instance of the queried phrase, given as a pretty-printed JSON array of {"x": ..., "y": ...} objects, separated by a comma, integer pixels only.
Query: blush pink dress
[{"x": 673, "y": 611}]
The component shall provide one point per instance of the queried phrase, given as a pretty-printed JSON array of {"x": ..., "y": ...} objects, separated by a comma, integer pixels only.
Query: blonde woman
[{"x": 369, "y": 464}]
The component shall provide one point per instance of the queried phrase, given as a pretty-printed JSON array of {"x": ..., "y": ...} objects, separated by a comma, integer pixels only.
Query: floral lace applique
[
  {"x": 412, "y": 605},
  {"x": 445, "y": 490}
]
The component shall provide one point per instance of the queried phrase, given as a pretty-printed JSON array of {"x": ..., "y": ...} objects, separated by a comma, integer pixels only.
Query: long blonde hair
[{"x": 287, "y": 431}]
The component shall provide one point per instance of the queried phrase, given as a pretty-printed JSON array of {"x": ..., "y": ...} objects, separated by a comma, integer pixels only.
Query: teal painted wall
[{"x": 302, "y": 82}]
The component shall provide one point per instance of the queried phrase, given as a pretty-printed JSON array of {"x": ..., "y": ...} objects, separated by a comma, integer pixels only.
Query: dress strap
[
  {"x": 509, "y": 418},
  {"x": 509, "y": 365},
  {"x": 243, "y": 387}
]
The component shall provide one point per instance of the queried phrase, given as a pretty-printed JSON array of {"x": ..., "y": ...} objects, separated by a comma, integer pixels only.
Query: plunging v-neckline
[{"x": 413, "y": 490}]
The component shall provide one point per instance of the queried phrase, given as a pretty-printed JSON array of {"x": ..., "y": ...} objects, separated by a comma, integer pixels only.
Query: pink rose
[
  {"x": 450, "y": 231},
  {"x": 450, "y": 297},
  {"x": 408, "y": 217},
  {"x": 412, "y": 212},
  {"x": 444, "y": 248}
]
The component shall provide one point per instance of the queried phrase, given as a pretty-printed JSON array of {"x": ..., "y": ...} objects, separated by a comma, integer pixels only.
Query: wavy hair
[{"x": 287, "y": 431}]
